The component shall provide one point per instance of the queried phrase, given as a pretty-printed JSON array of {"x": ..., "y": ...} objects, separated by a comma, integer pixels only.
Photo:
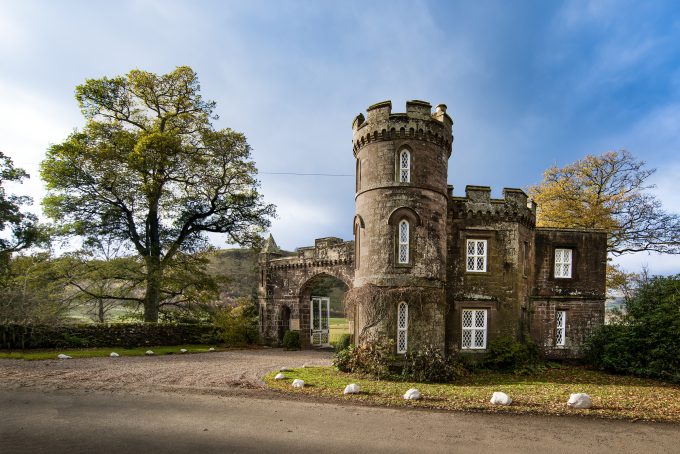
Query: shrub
[
  {"x": 645, "y": 341},
  {"x": 343, "y": 343},
  {"x": 236, "y": 325},
  {"x": 430, "y": 365},
  {"x": 104, "y": 335},
  {"x": 505, "y": 353},
  {"x": 344, "y": 359},
  {"x": 373, "y": 357},
  {"x": 291, "y": 340}
]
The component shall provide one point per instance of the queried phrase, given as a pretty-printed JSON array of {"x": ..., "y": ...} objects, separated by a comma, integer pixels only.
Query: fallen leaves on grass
[{"x": 547, "y": 392}]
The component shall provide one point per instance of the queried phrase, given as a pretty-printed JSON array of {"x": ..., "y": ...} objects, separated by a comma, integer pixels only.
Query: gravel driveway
[{"x": 239, "y": 369}]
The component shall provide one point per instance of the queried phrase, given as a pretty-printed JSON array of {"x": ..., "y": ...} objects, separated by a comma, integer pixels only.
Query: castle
[{"x": 428, "y": 267}]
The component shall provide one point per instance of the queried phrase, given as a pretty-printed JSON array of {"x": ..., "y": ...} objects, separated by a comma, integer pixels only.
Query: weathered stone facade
[{"x": 470, "y": 269}]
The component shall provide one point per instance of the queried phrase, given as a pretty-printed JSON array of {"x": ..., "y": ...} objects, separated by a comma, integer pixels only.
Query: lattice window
[
  {"x": 474, "y": 329},
  {"x": 560, "y": 328},
  {"x": 563, "y": 263},
  {"x": 402, "y": 327},
  {"x": 476, "y": 256},
  {"x": 405, "y": 166},
  {"x": 403, "y": 253}
]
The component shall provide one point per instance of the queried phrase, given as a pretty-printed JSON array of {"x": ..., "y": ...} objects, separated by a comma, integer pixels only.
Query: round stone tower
[{"x": 400, "y": 223}]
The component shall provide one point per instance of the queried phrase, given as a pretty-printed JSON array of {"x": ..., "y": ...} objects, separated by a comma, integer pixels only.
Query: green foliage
[
  {"x": 33, "y": 291},
  {"x": 291, "y": 340},
  {"x": 430, "y": 365},
  {"x": 22, "y": 227},
  {"x": 344, "y": 342},
  {"x": 507, "y": 354},
  {"x": 646, "y": 340},
  {"x": 237, "y": 324},
  {"x": 149, "y": 170},
  {"x": 373, "y": 357}
]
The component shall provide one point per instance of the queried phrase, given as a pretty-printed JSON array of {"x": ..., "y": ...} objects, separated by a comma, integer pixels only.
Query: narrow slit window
[
  {"x": 476, "y": 256},
  {"x": 403, "y": 253},
  {"x": 474, "y": 329},
  {"x": 402, "y": 327},
  {"x": 560, "y": 328},
  {"x": 405, "y": 166},
  {"x": 563, "y": 263}
]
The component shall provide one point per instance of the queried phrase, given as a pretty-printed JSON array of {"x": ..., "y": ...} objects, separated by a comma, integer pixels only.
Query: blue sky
[{"x": 528, "y": 83}]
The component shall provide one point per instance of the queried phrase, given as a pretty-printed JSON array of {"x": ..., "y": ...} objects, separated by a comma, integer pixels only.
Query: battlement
[
  {"x": 325, "y": 252},
  {"x": 477, "y": 203},
  {"x": 418, "y": 123}
]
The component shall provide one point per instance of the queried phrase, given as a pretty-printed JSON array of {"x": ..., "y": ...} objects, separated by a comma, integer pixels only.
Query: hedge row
[{"x": 128, "y": 335}]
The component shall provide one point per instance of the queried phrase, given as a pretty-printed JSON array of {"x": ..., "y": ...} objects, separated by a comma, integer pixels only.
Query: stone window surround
[
  {"x": 574, "y": 261},
  {"x": 395, "y": 218},
  {"x": 491, "y": 307},
  {"x": 476, "y": 234},
  {"x": 402, "y": 329},
  {"x": 565, "y": 316},
  {"x": 397, "y": 164}
]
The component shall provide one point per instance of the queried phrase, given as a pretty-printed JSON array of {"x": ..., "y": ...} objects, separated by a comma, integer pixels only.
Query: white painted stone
[
  {"x": 499, "y": 398},
  {"x": 114, "y": 355},
  {"x": 352, "y": 388},
  {"x": 62, "y": 356},
  {"x": 280, "y": 376},
  {"x": 183, "y": 350},
  {"x": 148, "y": 352},
  {"x": 579, "y": 400},
  {"x": 297, "y": 383},
  {"x": 285, "y": 369},
  {"x": 211, "y": 349},
  {"x": 413, "y": 394}
]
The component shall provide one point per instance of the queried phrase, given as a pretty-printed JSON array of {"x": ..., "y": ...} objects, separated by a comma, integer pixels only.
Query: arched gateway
[{"x": 303, "y": 292}]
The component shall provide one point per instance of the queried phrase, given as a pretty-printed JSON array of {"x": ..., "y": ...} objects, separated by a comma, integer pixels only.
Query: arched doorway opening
[
  {"x": 284, "y": 321},
  {"x": 321, "y": 302}
]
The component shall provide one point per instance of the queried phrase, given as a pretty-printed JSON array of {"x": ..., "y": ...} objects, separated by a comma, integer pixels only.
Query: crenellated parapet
[
  {"x": 326, "y": 252},
  {"x": 418, "y": 123},
  {"x": 515, "y": 206}
]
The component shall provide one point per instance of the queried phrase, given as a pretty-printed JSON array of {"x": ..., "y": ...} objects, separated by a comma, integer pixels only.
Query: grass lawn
[
  {"x": 93, "y": 352},
  {"x": 337, "y": 327},
  {"x": 613, "y": 396}
]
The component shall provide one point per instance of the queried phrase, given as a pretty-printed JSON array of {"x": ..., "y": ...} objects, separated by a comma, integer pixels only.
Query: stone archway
[
  {"x": 322, "y": 314},
  {"x": 292, "y": 280}
]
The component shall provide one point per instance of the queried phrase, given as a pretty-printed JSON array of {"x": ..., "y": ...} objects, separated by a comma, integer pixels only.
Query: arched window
[
  {"x": 403, "y": 252},
  {"x": 358, "y": 175},
  {"x": 402, "y": 327},
  {"x": 404, "y": 166}
]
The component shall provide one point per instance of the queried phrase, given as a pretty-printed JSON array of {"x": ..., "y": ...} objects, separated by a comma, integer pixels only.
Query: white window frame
[
  {"x": 560, "y": 328},
  {"x": 473, "y": 329},
  {"x": 402, "y": 327},
  {"x": 476, "y": 256},
  {"x": 403, "y": 243},
  {"x": 404, "y": 166},
  {"x": 563, "y": 257}
]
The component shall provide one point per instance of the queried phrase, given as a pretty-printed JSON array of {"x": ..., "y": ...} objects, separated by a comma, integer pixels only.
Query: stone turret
[{"x": 401, "y": 208}]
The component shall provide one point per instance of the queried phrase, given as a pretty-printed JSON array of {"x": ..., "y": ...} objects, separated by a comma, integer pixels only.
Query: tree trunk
[
  {"x": 154, "y": 272},
  {"x": 153, "y": 289},
  {"x": 100, "y": 315}
]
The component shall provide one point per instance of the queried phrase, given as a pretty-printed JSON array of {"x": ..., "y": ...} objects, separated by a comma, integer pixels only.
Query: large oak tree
[
  {"x": 150, "y": 169},
  {"x": 609, "y": 192}
]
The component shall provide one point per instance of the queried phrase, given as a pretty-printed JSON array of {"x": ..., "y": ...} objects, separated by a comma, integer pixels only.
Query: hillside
[{"x": 240, "y": 267}]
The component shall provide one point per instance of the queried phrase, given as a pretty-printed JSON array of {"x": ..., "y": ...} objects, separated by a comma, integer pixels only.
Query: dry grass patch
[{"x": 547, "y": 392}]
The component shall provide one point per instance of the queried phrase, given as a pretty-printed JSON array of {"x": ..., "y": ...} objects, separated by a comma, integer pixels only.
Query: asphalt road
[{"x": 82, "y": 421}]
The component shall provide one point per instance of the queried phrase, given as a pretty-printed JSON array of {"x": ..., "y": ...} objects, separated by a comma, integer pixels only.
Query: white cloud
[{"x": 29, "y": 123}]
